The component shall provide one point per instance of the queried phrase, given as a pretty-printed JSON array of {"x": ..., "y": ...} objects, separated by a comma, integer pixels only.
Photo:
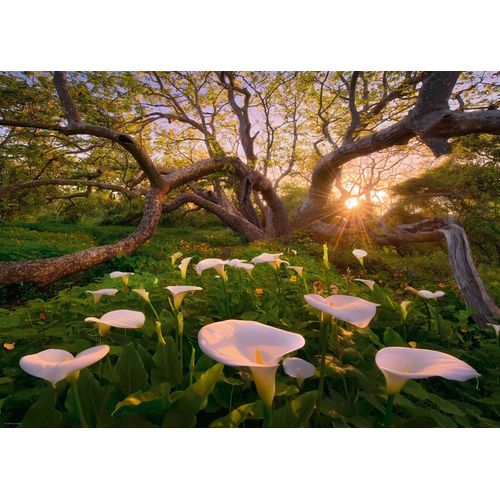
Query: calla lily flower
[
  {"x": 360, "y": 255},
  {"x": 369, "y": 283},
  {"x": 404, "y": 309},
  {"x": 121, "y": 318},
  {"x": 298, "y": 269},
  {"x": 354, "y": 310},
  {"x": 175, "y": 257},
  {"x": 299, "y": 369},
  {"x": 216, "y": 264},
  {"x": 55, "y": 364},
  {"x": 399, "y": 364},
  {"x": 247, "y": 267},
  {"x": 142, "y": 293},
  {"x": 179, "y": 292},
  {"x": 495, "y": 327},
  {"x": 119, "y": 274},
  {"x": 234, "y": 262},
  {"x": 273, "y": 259},
  {"x": 425, "y": 294},
  {"x": 326, "y": 260},
  {"x": 98, "y": 294},
  {"x": 249, "y": 343},
  {"x": 183, "y": 266}
]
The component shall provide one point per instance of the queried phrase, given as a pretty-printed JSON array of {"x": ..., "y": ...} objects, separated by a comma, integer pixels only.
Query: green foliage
[{"x": 140, "y": 383}]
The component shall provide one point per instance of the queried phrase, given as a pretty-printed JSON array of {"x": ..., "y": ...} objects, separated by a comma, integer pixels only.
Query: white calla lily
[
  {"x": 179, "y": 292},
  {"x": 234, "y": 262},
  {"x": 399, "y": 364},
  {"x": 299, "y": 369},
  {"x": 119, "y": 274},
  {"x": 183, "y": 266},
  {"x": 142, "y": 293},
  {"x": 495, "y": 327},
  {"x": 216, "y": 264},
  {"x": 121, "y": 318},
  {"x": 354, "y": 310},
  {"x": 247, "y": 267},
  {"x": 175, "y": 257},
  {"x": 55, "y": 364},
  {"x": 99, "y": 294},
  {"x": 404, "y": 308},
  {"x": 298, "y": 269},
  {"x": 249, "y": 343},
  {"x": 369, "y": 283},
  {"x": 273, "y": 259},
  {"x": 360, "y": 255},
  {"x": 425, "y": 294}
]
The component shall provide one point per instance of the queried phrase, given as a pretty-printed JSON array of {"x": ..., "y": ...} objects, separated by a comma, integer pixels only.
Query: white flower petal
[
  {"x": 354, "y": 310},
  {"x": 398, "y": 364},
  {"x": 179, "y": 292},
  {"x": 369, "y": 283},
  {"x": 217, "y": 264},
  {"x": 359, "y": 254},
  {"x": 119, "y": 274},
  {"x": 103, "y": 291},
  {"x": 298, "y": 368},
  {"x": 495, "y": 327},
  {"x": 121, "y": 318},
  {"x": 55, "y": 364},
  {"x": 425, "y": 294},
  {"x": 242, "y": 343}
]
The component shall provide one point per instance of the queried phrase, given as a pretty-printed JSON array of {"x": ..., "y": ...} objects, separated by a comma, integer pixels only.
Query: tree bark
[
  {"x": 43, "y": 272},
  {"x": 472, "y": 287}
]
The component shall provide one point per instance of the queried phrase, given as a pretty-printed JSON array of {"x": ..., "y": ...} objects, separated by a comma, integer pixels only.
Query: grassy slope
[{"x": 33, "y": 240}]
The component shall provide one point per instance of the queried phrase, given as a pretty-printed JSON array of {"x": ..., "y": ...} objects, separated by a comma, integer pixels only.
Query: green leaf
[
  {"x": 416, "y": 390},
  {"x": 239, "y": 415},
  {"x": 297, "y": 413},
  {"x": 166, "y": 366},
  {"x": 43, "y": 412},
  {"x": 446, "y": 406},
  {"x": 193, "y": 399},
  {"x": 129, "y": 371},
  {"x": 392, "y": 338},
  {"x": 92, "y": 397},
  {"x": 10, "y": 321},
  {"x": 154, "y": 399}
]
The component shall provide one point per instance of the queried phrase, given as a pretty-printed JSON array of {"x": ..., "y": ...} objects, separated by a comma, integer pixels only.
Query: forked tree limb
[{"x": 472, "y": 287}]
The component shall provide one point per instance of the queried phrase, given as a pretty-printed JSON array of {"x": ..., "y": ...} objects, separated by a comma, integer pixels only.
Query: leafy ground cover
[{"x": 146, "y": 382}]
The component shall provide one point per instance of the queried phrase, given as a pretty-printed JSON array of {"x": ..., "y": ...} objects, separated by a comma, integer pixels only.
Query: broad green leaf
[
  {"x": 166, "y": 365},
  {"x": 43, "y": 412},
  {"x": 193, "y": 399},
  {"x": 129, "y": 371},
  {"x": 154, "y": 399},
  {"x": 392, "y": 338},
  {"x": 10, "y": 321},
  {"x": 297, "y": 413},
  {"x": 239, "y": 415}
]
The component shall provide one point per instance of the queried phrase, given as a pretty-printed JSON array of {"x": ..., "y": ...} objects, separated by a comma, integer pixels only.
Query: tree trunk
[
  {"x": 43, "y": 272},
  {"x": 474, "y": 292},
  {"x": 468, "y": 280}
]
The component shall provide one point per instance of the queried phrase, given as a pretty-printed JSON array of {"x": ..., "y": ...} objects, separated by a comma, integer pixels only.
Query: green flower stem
[
  {"x": 78, "y": 403},
  {"x": 429, "y": 315},
  {"x": 154, "y": 310},
  {"x": 192, "y": 365},
  {"x": 226, "y": 299},
  {"x": 438, "y": 319},
  {"x": 324, "y": 332},
  {"x": 180, "y": 336},
  {"x": 267, "y": 415},
  {"x": 388, "y": 411},
  {"x": 279, "y": 290}
]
